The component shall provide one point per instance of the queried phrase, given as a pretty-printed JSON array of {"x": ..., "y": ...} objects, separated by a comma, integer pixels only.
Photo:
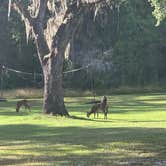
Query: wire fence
[{"x": 7, "y": 69}]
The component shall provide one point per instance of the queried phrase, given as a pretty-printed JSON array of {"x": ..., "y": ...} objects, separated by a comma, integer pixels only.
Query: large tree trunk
[
  {"x": 53, "y": 75},
  {"x": 53, "y": 71},
  {"x": 52, "y": 65},
  {"x": 53, "y": 91}
]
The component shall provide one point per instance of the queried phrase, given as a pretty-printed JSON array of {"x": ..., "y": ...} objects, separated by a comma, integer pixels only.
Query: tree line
[{"x": 138, "y": 57}]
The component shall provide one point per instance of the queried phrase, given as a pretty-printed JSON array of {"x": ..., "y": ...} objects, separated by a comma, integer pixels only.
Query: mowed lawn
[{"x": 134, "y": 133}]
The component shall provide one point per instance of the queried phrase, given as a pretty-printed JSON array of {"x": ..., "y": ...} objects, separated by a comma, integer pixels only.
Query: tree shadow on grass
[
  {"x": 14, "y": 113},
  {"x": 89, "y": 119},
  {"x": 97, "y": 144}
]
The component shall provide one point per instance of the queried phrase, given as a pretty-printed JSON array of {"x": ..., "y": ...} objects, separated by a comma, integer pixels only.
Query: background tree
[{"x": 139, "y": 50}]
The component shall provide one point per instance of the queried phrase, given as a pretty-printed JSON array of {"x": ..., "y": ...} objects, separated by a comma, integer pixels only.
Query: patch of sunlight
[
  {"x": 7, "y": 157},
  {"x": 72, "y": 149},
  {"x": 127, "y": 149},
  {"x": 19, "y": 150},
  {"x": 14, "y": 143},
  {"x": 150, "y": 97},
  {"x": 156, "y": 102},
  {"x": 34, "y": 164}
]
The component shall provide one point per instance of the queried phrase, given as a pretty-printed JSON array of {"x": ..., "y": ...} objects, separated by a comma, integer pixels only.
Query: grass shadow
[
  {"x": 89, "y": 119},
  {"x": 52, "y": 142},
  {"x": 14, "y": 113}
]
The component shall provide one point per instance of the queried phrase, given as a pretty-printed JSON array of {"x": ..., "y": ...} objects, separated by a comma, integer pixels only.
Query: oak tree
[{"x": 52, "y": 23}]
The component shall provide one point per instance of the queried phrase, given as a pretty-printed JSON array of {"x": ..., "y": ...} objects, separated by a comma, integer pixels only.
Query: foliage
[
  {"x": 139, "y": 51},
  {"x": 159, "y": 9},
  {"x": 15, "y": 52}
]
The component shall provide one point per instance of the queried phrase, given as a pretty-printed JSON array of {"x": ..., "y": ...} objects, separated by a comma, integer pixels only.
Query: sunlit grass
[{"x": 134, "y": 133}]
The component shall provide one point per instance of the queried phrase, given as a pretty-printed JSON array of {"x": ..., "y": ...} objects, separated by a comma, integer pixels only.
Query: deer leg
[
  {"x": 105, "y": 115},
  {"x": 29, "y": 108},
  {"x": 17, "y": 109},
  {"x": 97, "y": 114},
  {"x": 25, "y": 106},
  {"x": 106, "y": 112}
]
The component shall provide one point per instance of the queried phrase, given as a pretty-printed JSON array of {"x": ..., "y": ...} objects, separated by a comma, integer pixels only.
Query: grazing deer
[
  {"x": 99, "y": 106},
  {"x": 21, "y": 103}
]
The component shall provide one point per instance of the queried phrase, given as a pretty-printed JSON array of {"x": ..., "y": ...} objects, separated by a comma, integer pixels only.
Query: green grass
[{"x": 134, "y": 134}]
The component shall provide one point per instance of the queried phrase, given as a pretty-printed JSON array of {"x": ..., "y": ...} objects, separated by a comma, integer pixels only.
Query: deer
[
  {"x": 102, "y": 106},
  {"x": 21, "y": 103}
]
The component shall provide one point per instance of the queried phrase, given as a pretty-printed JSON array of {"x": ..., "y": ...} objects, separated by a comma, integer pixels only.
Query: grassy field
[{"x": 134, "y": 134}]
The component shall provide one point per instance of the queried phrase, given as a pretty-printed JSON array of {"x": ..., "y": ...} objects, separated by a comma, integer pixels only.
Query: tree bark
[
  {"x": 53, "y": 91},
  {"x": 52, "y": 64}
]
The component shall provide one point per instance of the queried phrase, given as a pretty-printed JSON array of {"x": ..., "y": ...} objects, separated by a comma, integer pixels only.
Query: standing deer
[
  {"x": 99, "y": 106},
  {"x": 21, "y": 103}
]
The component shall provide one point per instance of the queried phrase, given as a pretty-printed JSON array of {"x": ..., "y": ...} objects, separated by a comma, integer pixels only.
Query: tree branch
[
  {"x": 70, "y": 23},
  {"x": 34, "y": 26},
  {"x": 93, "y": 1},
  {"x": 22, "y": 10},
  {"x": 42, "y": 10}
]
